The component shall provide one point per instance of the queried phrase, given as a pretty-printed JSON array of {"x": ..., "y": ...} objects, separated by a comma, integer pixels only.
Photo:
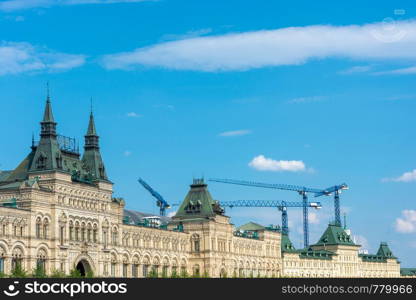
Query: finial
[
  {"x": 33, "y": 140},
  {"x": 91, "y": 108}
]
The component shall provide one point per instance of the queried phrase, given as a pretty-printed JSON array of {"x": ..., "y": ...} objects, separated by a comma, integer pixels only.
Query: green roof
[
  {"x": 4, "y": 175},
  {"x": 382, "y": 255},
  {"x": 408, "y": 271},
  {"x": 384, "y": 250},
  {"x": 335, "y": 235},
  {"x": 316, "y": 254},
  {"x": 286, "y": 244},
  {"x": 251, "y": 226},
  {"x": 198, "y": 203}
]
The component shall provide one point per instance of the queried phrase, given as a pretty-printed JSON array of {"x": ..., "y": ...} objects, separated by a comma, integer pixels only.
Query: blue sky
[{"x": 303, "y": 93}]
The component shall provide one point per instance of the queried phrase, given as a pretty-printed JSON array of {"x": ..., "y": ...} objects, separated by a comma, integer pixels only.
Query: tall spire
[
  {"x": 92, "y": 156},
  {"x": 91, "y": 125},
  {"x": 48, "y": 123}
]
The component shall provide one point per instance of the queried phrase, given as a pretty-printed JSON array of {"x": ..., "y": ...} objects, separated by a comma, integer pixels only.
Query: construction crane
[
  {"x": 160, "y": 202},
  {"x": 336, "y": 189},
  {"x": 302, "y": 190},
  {"x": 281, "y": 205}
]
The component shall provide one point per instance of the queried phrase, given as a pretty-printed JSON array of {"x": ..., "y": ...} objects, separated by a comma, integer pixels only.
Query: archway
[{"x": 83, "y": 267}]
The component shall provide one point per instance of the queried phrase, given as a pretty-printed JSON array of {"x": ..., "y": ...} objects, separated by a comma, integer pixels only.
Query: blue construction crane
[
  {"x": 160, "y": 202},
  {"x": 336, "y": 189},
  {"x": 281, "y": 205},
  {"x": 302, "y": 190}
]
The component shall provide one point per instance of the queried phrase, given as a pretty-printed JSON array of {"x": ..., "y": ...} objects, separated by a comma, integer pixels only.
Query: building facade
[{"x": 58, "y": 213}]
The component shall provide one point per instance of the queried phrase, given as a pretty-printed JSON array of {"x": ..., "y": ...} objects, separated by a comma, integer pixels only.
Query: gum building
[{"x": 57, "y": 212}]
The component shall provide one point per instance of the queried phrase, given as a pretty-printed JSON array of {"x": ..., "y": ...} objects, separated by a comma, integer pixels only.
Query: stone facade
[{"x": 58, "y": 212}]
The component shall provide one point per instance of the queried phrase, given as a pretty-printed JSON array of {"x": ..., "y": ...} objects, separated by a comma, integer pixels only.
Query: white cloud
[
  {"x": 407, "y": 222},
  {"x": 285, "y": 46},
  {"x": 355, "y": 69},
  {"x": 406, "y": 177},
  {"x": 262, "y": 163},
  {"x": 23, "y": 57},
  {"x": 171, "y": 214},
  {"x": 127, "y": 153},
  {"x": 187, "y": 35},
  {"x": 133, "y": 114},
  {"x": 306, "y": 99},
  {"x": 313, "y": 218},
  {"x": 13, "y": 5},
  {"x": 235, "y": 133},
  {"x": 402, "y": 71}
]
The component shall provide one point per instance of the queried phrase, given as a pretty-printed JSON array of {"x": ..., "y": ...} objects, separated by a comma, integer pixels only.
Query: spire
[
  {"x": 92, "y": 157},
  {"x": 48, "y": 115},
  {"x": 48, "y": 125},
  {"x": 91, "y": 126}
]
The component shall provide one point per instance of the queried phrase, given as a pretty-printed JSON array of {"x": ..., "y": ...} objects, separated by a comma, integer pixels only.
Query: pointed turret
[
  {"x": 48, "y": 125},
  {"x": 92, "y": 157},
  {"x": 48, "y": 156}
]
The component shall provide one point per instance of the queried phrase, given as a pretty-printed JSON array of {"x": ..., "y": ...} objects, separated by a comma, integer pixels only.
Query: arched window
[
  {"x": 71, "y": 231},
  {"x": 125, "y": 266},
  {"x": 17, "y": 258},
  {"x": 135, "y": 267},
  {"x": 38, "y": 227},
  {"x": 83, "y": 232},
  {"x": 113, "y": 265},
  {"x": 41, "y": 261},
  {"x": 89, "y": 233},
  {"x": 45, "y": 228},
  {"x": 94, "y": 233},
  {"x": 77, "y": 231},
  {"x": 115, "y": 236}
]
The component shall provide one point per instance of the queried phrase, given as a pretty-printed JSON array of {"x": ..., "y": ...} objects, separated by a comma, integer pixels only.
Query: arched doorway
[{"x": 83, "y": 267}]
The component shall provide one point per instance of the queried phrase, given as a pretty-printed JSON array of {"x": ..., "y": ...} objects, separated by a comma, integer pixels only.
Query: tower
[
  {"x": 92, "y": 157},
  {"x": 47, "y": 156}
]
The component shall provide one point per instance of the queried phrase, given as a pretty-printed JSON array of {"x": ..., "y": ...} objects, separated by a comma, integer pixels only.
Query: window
[
  {"x": 21, "y": 230},
  {"x": 134, "y": 270},
  {"x": 76, "y": 232},
  {"x": 115, "y": 236},
  {"x": 4, "y": 229},
  {"x": 145, "y": 270},
  {"x": 165, "y": 271},
  {"x": 113, "y": 269},
  {"x": 1, "y": 265},
  {"x": 40, "y": 263},
  {"x": 71, "y": 231},
  {"x": 38, "y": 224},
  {"x": 105, "y": 238},
  {"x": 61, "y": 234},
  {"x": 94, "y": 234},
  {"x": 45, "y": 228},
  {"x": 125, "y": 267}
]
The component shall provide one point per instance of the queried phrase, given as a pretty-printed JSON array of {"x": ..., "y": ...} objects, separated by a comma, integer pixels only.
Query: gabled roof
[
  {"x": 198, "y": 203},
  {"x": 384, "y": 250},
  {"x": 335, "y": 235},
  {"x": 251, "y": 226},
  {"x": 21, "y": 171}
]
